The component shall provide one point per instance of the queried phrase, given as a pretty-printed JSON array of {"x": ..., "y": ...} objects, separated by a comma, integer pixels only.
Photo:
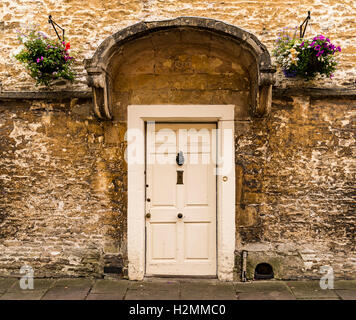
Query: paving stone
[
  {"x": 310, "y": 290},
  {"x": 168, "y": 289},
  {"x": 207, "y": 291},
  {"x": 6, "y": 283},
  {"x": 69, "y": 289},
  {"x": 74, "y": 282},
  {"x": 104, "y": 296},
  {"x": 158, "y": 290},
  {"x": 261, "y": 286},
  {"x": 66, "y": 293},
  {"x": 346, "y": 294},
  {"x": 272, "y": 295},
  {"x": 345, "y": 284},
  {"x": 38, "y": 284},
  {"x": 116, "y": 287},
  {"x": 23, "y": 295}
]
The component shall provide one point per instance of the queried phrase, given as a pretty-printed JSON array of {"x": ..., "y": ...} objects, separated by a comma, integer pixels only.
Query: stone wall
[
  {"x": 88, "y": 25},
  {"x": 183, "y": 66},
  {"x": 63, "y": 188},
  {"x": 295, "y": 173},
  {"x": 63, "y": 177}
]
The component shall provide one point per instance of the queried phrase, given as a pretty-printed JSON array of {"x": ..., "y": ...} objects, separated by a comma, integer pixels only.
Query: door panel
[
  {"x": 193, "y": 174},
  {"x": 164, "y": 192},
  {"x": 197, "y": 234},
  {"x": 186, "y": 245},
  {"x": 163, "y": 249}
]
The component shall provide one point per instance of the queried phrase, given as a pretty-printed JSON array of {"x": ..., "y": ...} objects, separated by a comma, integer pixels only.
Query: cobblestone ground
[{"x": 173, "y": 289}]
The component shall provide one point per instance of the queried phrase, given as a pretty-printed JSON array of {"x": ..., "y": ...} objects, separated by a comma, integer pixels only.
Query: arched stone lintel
[{"x": 99, "y": 77}]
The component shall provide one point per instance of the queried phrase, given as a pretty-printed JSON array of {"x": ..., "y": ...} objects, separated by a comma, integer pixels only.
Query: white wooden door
[{"x": 181, "y": 200}]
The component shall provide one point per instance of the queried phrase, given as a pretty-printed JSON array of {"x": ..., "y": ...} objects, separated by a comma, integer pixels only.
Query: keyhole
[{"x": 179, "y": 177}]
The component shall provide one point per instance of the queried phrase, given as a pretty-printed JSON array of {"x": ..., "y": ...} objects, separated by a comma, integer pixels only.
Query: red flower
[{"x": 67, "y": 46}]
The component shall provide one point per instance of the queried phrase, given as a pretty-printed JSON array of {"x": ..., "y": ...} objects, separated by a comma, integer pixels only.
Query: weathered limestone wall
[
  {"x": 183, "y": 66},
  {"x": 88, "y": 25},
  {"x": 63, "y": 189},
  {"x": 295, "y": 174}
]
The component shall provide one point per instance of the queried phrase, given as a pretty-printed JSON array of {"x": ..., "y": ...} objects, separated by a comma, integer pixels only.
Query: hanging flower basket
[
  {"x": 46, "y": 60},
  {"x": 305, "y": 58}
]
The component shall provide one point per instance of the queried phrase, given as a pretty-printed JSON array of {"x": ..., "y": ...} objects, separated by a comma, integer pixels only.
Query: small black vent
[
  {"x": 264, "y": 271},
  {"x": 110, "y": 269}
]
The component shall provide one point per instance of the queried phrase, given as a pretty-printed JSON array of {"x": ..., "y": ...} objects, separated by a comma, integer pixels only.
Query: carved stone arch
[{"x": 101, "y": 71}]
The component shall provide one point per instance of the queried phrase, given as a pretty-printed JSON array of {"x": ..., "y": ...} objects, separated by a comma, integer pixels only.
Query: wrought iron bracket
[
  {"x": 54, "y": 24},
  {"x": 302, "y": 32}
]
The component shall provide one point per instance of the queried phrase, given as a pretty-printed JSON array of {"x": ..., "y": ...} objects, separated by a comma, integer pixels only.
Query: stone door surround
[{"x": 224, "y": 116}]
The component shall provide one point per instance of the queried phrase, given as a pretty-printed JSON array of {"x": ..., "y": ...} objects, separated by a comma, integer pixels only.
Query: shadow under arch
[{"x": 100, "y": 71}]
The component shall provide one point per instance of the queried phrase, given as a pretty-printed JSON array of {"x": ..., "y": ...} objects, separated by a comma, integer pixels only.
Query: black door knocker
[{"x": 180, "y": 158}]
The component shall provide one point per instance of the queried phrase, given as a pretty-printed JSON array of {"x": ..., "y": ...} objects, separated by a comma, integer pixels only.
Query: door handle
[
  {"x": 180, "y": 215},
  {"x": 148, "y": 215}
]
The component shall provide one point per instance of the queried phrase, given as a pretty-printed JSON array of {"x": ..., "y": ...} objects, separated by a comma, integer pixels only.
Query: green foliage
[{"x": 45, "y": 59}]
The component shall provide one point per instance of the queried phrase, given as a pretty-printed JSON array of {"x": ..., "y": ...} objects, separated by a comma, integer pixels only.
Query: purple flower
[
  {"x": 331, "y": 75},
  {"x": 317, "y": 47},
  {"x": 302, "y": 44},
  {"x": 327, "y": 40},
  {"x": 41, "y": 58},
  {"x": 338, "y": 48},
  {"x": 38, "y": 60},
  {"x": 320, "y": 53},
  {"x": 312, "y": 44}
]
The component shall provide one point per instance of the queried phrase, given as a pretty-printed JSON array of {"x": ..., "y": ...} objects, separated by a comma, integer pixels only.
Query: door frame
[{"x": 136, "y": 150}]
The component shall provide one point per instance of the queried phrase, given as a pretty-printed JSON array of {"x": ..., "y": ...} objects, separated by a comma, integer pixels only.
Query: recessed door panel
[
  {"x": 164, "y": 192},
  {"x": 163, "y": 249},
  {"x": 197, "y": 173},
  {"x": 196, "y": 236}
]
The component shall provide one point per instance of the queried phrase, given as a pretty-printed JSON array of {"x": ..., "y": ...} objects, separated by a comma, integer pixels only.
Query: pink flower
[
  {"x": 38, "y": 60},
  {"x": 42, "y": 58},
  {"x": 331, "y": 76}
]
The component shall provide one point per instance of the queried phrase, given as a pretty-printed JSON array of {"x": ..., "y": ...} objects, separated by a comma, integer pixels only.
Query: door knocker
[{"x": 180, "y": 158}]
